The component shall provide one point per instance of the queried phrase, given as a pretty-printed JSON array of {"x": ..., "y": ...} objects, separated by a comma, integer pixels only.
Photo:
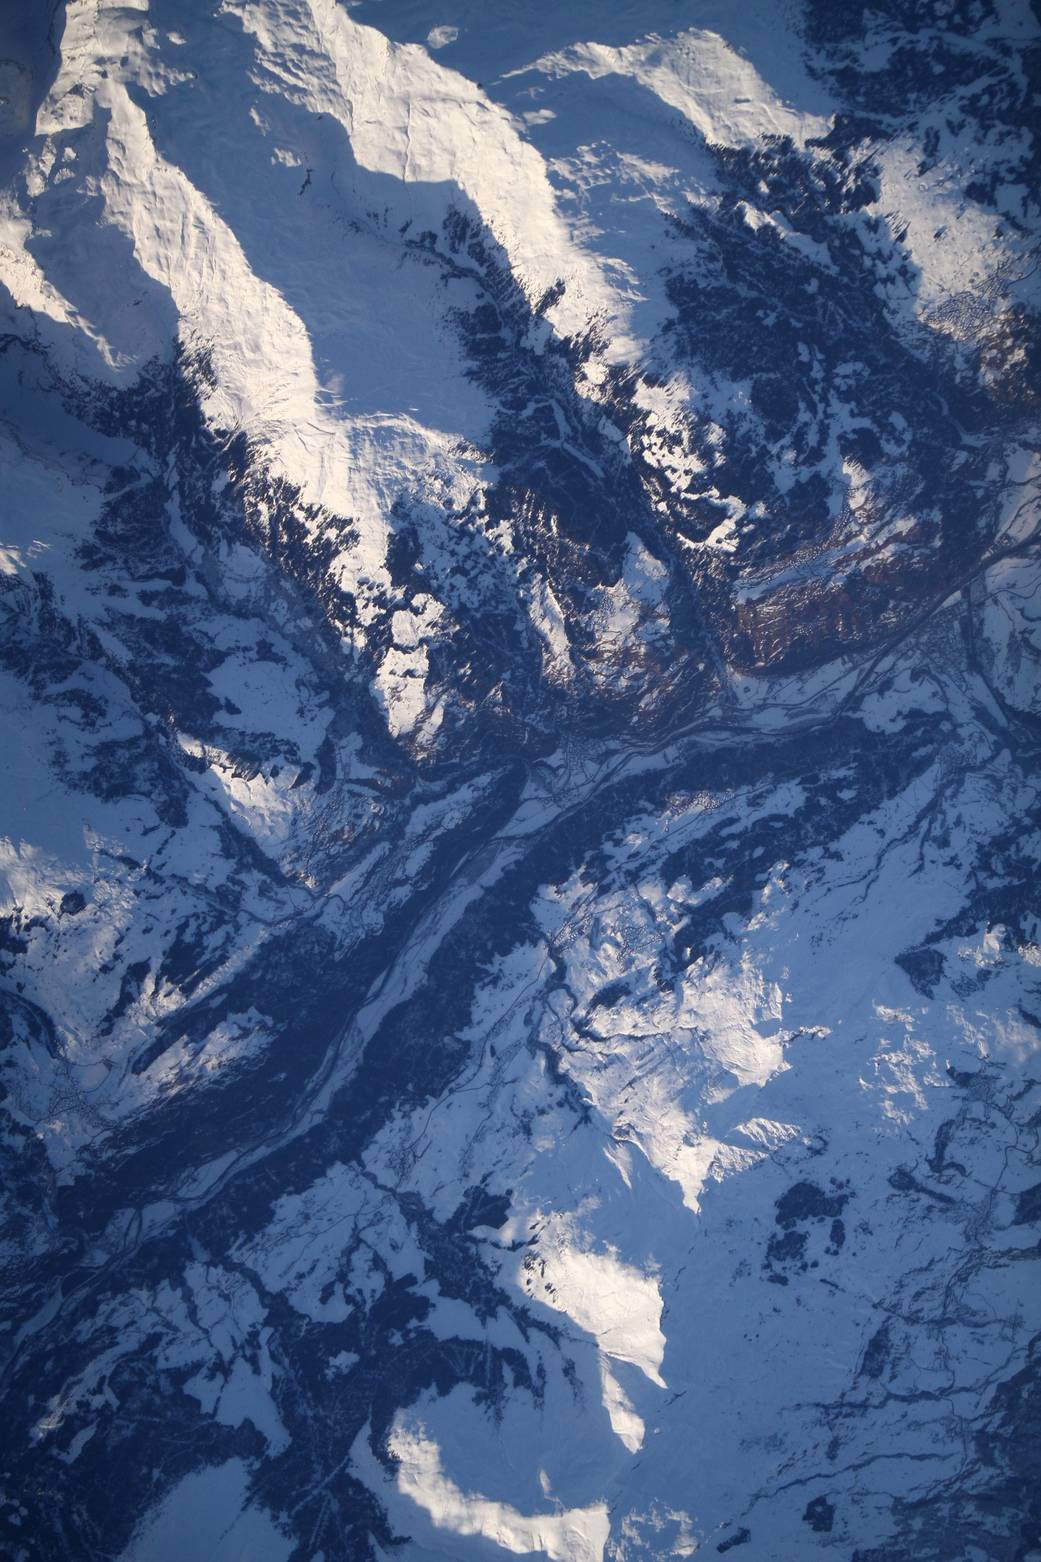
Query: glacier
[{"x": 520, "y": 965}]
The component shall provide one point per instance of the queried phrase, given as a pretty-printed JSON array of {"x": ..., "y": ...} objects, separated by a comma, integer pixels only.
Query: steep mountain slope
[{"x": 520, "y": 654}]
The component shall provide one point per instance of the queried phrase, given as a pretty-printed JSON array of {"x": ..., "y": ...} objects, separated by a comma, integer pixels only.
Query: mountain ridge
[{"x": 519, "y": 952}]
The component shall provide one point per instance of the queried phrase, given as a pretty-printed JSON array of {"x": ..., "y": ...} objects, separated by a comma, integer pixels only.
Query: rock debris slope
[{"x": 520, "y": 639}]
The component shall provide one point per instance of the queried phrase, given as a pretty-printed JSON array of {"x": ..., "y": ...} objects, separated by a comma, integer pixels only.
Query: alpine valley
[{"x": 520, "y": 652}]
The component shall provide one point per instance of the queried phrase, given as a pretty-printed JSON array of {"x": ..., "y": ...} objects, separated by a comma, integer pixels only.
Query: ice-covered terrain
[{"x": 521, "y": 815}]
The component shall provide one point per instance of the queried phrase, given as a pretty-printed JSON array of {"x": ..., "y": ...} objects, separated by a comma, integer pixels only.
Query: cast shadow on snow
[
  {"x": 565, "y": 485},
  {"x": 312, "y": 992},
  {"x": 488, "y": 48}
]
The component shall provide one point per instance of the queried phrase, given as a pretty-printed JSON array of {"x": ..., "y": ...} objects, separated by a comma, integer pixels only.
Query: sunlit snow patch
[
  {"x": 575, "y": 1535},
  {"x": 615, "y": 1303},
  {"x": 699, "y": 74}
]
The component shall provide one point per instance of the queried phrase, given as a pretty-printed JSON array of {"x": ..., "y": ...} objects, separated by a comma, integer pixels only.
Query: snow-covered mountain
[{"x": 521, "y": 816}]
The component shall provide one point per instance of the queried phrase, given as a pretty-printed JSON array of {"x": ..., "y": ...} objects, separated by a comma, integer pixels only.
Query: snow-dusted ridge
[{"x": 520, "y": 653}]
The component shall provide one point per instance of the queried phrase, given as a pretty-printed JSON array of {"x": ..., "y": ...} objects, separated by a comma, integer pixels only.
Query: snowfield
[{"x": 520, "y": 661}]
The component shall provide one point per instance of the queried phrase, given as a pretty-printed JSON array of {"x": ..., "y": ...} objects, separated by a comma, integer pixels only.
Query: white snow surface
[{"x": 705, "y": 1015}]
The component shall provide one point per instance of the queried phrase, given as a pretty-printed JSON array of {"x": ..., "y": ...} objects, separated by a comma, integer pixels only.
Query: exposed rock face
[{"x": 519, "y": 646}]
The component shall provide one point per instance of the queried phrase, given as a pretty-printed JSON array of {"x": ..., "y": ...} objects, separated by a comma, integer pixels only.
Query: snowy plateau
[{"x": 520, "y": 813}]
